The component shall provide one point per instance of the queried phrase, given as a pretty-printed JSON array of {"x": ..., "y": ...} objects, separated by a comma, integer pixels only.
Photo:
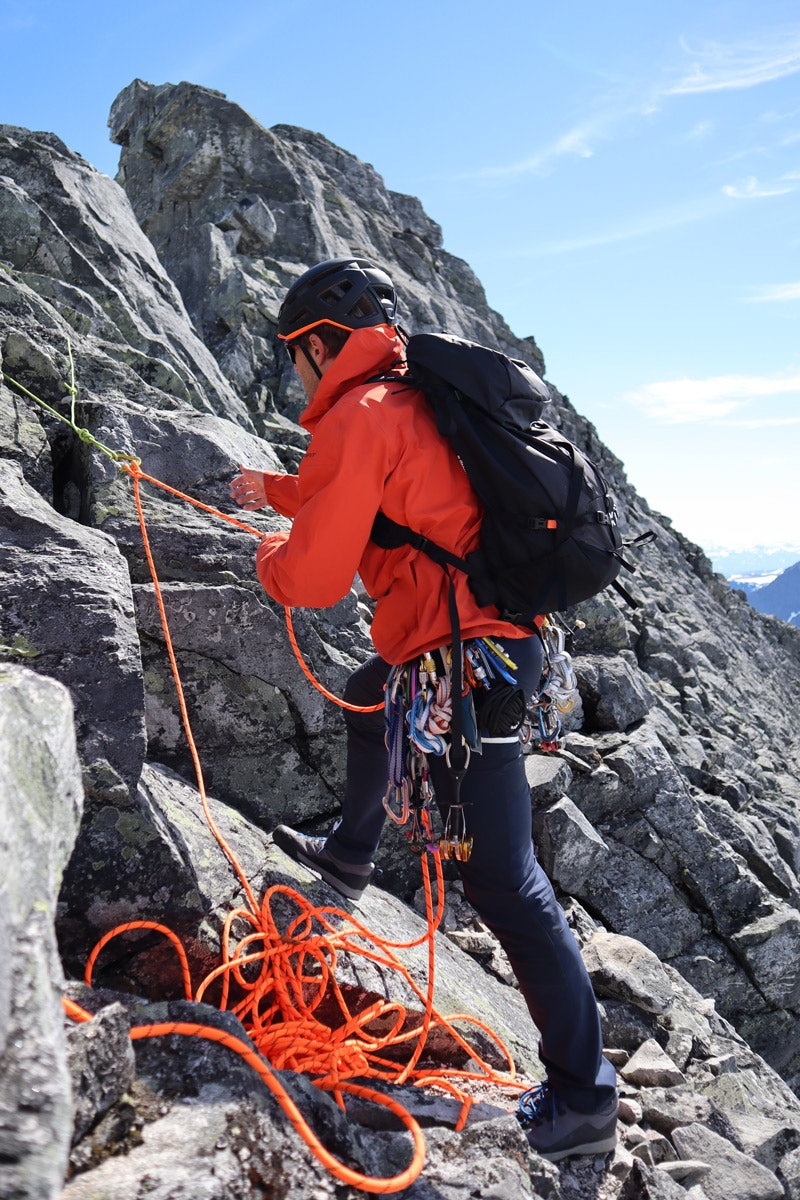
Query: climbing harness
[
  {"x": 419, "y": 705},
  {"x": 278, "y": 977}
]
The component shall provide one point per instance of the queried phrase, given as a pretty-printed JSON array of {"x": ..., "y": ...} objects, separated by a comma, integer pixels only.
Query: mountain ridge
[
  {"x": 781, "y": 596},
  {"x": 669, "y": 822}
]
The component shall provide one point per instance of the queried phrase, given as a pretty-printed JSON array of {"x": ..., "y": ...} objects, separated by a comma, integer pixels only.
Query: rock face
[
  {"x": 143, "y": 311},
  {"x": 237, "y": 212}
]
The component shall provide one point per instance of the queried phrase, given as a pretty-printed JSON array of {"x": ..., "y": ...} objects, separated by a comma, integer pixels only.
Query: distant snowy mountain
[
  {"x": 780, "y": 596},
  {"x": 753, "y": 581},
  {"x": 757, "y": 561}
]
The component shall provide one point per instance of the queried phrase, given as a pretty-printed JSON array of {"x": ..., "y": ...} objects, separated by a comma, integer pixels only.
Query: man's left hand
[{"x": 247, "y": 489}]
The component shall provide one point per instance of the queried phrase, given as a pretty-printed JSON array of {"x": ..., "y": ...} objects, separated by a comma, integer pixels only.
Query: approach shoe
[
  {"x": 350, "y": 879},
  {"x": 556, "y": 1131}
]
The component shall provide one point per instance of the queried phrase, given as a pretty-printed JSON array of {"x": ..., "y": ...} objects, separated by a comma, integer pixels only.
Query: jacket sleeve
[
  {"x": 340, "y": 487},
  {"x": 282, "y": 492}
]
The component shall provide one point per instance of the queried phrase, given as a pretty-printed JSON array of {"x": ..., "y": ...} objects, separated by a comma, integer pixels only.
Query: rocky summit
[{"x": 138, "y": 323}]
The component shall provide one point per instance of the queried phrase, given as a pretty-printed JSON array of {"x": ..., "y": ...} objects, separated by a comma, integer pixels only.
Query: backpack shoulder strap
[
  {"x": 391, "y": 375},
  {"x": 390, "y": 535}
]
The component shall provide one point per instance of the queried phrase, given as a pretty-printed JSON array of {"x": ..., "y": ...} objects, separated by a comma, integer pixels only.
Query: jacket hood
[{"x": 366, "y": 352}]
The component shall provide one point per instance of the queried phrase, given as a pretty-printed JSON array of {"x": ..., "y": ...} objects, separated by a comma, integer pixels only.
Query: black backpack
[{"x": 550, "y": 535}]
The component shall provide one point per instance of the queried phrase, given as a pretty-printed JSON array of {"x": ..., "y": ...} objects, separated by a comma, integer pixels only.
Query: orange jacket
[{"x": 375, "y": 445}]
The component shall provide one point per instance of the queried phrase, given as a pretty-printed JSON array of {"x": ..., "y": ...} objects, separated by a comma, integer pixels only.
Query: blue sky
[{"x": 624, "y": 179}]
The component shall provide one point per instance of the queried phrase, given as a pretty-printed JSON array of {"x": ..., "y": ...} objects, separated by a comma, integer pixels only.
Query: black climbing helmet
[{"x": 351, "y": 293}]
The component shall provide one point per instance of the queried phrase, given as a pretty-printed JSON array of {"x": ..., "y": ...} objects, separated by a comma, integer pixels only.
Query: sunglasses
[{"x": 291, "y": 350}]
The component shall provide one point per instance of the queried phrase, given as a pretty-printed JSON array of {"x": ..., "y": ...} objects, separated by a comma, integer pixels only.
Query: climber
[{"x": 374, "y": 445}]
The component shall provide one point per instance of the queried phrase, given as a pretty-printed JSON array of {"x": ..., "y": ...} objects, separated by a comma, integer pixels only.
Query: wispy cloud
[
  {"x": 774, "y": 116},
  {"x": 689, "y": 401},
  {"x": 578, "y": 142},
  {"x": 763, "y": 422},
  {"x": 699, "y": 131},
  {"x": 751, "y": 189},
  {"x": 634, "y": 227},
  {"x": 776, "y": 293},
  {"x": 716, "y": 66}
]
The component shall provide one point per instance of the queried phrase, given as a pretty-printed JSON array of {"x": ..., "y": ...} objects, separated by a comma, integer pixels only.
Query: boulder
[
  {"x": 70, "y": 233},
  {"x": 614, "y": 692},
  {"x": 623, "y": 969},
  {"x": 101, "y": 1065},
  {"x": 41, "y": 798},
  {"x": 651, "y": 1067},
  {"x": 732, "y": 1175},
  {"x": 569, "y": 848}
]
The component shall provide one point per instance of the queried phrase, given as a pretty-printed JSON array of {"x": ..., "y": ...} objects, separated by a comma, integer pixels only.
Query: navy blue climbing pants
[{"x": 502, "y": 879}]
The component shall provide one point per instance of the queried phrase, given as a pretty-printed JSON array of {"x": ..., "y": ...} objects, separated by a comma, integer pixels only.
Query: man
[{"x": 375, "y": 446}]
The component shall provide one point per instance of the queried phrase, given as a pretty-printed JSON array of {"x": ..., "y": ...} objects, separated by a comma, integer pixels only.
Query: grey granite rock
[
  {"x": 40, "y": 806},
  {"x": 669, "y": 820}
]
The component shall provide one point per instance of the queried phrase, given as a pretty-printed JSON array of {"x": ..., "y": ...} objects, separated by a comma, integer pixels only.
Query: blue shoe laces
[{"x": 536, "y": 1106}]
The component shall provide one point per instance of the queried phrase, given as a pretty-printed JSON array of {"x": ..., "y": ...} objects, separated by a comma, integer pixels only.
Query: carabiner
[{"x": 396, "y": 802}]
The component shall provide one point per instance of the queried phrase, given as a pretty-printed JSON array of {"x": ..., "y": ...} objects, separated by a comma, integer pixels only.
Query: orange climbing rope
[
  {"x": 281, "y": 975},
  {"x": 136, "y": 473},
  {"x": 237, "y": 1045},
  {"x": 311, "y": 678}
]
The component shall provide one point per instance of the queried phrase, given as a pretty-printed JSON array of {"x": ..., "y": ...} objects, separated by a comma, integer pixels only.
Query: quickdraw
[
  {"x": 396, "y": 799},
  {"x": 485, "y": 660},
  {"x": 558, "y": 691}
]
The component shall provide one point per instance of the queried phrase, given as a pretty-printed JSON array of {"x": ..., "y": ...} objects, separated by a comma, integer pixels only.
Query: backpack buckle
[{"x": 542, "y": 523}]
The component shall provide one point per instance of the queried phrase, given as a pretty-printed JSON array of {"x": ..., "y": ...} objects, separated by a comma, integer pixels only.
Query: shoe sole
[{"x": 602, "y": 1146}]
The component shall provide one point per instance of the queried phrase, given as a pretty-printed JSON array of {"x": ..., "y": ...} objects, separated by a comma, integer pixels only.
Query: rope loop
[{"x": 282, "y": 974}]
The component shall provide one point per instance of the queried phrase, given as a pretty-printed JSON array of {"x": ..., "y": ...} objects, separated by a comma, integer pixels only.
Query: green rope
[
  {"x": 80, "y": 431},
  {"x": 73, "y": 391}
]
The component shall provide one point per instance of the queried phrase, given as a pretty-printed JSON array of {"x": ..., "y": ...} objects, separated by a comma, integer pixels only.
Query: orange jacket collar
[{"x": 366, "y": 352}]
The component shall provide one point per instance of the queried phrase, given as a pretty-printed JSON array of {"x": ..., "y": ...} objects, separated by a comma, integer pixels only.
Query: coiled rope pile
[{"x": 280, "y": 977}]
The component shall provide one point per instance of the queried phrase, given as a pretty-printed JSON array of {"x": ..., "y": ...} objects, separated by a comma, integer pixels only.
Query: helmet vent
[{"x": 333, "y": 295}]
